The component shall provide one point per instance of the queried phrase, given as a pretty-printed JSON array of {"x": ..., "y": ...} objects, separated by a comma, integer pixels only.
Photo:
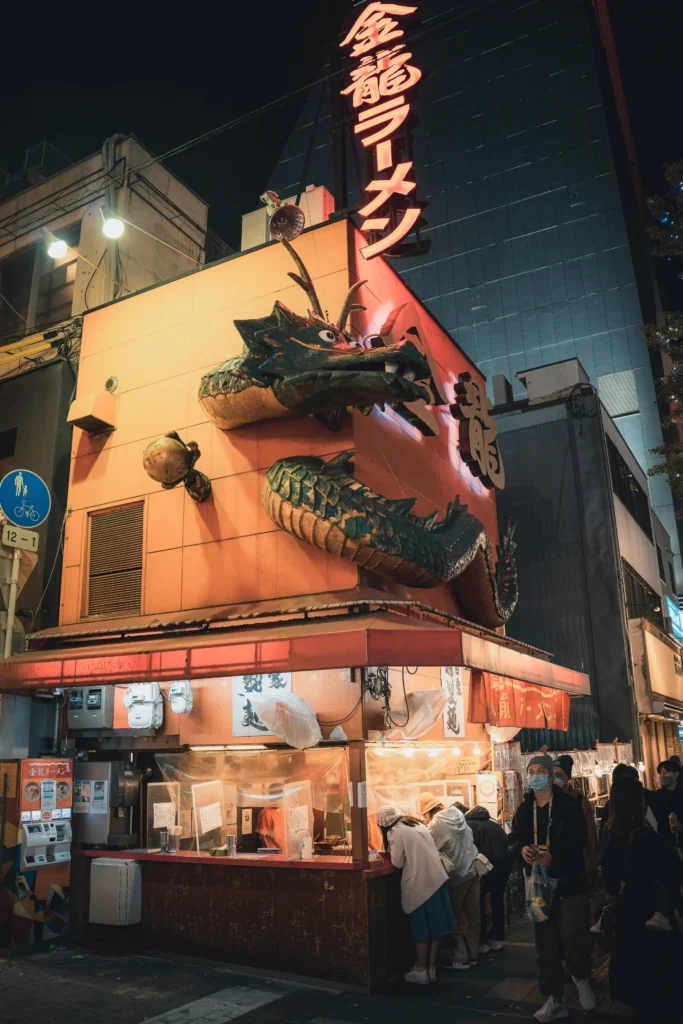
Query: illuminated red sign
[{"x": 379, "y": 82}]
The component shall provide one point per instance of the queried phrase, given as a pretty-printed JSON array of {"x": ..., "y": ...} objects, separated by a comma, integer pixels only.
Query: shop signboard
[
  {"x": 247, "y": 691},
  {"x": 674, "y": 615},
  {"x": 454, "y": 712},
  {"x": 381, "y": 77}
]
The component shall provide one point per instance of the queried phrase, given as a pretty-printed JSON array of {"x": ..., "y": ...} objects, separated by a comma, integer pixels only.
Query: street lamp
[
  {"x": 112, "y": 226},
  {"x": 57, "y": 248}
]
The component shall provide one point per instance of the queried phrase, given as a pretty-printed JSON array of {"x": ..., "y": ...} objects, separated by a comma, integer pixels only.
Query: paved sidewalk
[{"x": 69, "y": 986}]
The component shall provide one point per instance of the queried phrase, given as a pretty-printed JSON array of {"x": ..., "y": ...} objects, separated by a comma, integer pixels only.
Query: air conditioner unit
[
  {"x": 316, "y": 202},
  {"x": 115, "y": 891}
]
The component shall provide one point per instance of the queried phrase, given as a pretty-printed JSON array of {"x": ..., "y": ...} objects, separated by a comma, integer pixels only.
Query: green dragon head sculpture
[{"x": 297, "y": 365}]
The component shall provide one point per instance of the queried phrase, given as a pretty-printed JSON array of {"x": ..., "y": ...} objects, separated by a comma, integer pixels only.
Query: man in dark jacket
[
  {"x": 667, "y": 802},
  {"x": 549, "y": 830},
  {"x": 491, "y": 840}
]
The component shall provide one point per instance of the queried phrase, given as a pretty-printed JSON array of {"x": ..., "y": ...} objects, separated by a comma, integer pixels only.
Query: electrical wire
[
  {"x": 340, "y": 721},
  {"x": 243, "y": 118},
  {"x": 52, "y": 570},
  {"x": 15, "y": 311}
]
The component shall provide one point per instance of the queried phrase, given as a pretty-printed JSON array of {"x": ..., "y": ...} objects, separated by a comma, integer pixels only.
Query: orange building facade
[{"x": 215, "y": 590}]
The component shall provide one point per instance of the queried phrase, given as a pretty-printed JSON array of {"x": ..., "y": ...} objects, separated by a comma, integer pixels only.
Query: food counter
[{"x": 327, "y": 918}]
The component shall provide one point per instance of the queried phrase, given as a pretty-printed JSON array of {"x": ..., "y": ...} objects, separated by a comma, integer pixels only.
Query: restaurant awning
[{"x": 336, "y": 639}]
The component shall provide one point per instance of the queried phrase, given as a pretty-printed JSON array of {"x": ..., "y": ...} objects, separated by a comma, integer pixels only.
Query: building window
[
  {"x": 115, "y": 561},
  {"x": 628, "y": 490},
  {"x": 641, "y": 601},
  {"x": 16, "y": 276},
  {"x": 660, "y": 563},
  {"x": 8, "y": 443},
  {"x": 56, "y": 281}
]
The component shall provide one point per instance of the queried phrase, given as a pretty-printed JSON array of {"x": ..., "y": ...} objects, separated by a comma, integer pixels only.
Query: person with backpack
[
  {"x": 424, "y": 889},
  {"x": 453, "y": 839},
  {"x": 643, "y": 874},
  {"x": 491, "y": 840},
  {"x": 549, "y": 830}
]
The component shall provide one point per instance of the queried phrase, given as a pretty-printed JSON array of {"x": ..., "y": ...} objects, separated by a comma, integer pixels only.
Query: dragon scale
[{"x": 321, "y": 503}]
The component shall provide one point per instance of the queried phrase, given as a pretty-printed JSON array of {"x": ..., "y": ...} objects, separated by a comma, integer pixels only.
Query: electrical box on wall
[
  {"x": 144, "y": 704},
  {"x": 180, "y": 695},
  {"x": 91, "y": 707}
]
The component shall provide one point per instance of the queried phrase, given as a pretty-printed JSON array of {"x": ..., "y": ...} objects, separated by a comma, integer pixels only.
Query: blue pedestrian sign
[{"x": 24, "y": 498}]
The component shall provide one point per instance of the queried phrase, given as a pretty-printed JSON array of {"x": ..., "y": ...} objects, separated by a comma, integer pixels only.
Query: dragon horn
[
  {"x": 348, "y": 305},
  {"x": 304, "y": 281}
]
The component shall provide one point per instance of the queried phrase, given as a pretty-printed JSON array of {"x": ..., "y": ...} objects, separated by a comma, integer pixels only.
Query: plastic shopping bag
[
  {"x": 290, "y": 718},
  {"x": 539, "y": 893}
]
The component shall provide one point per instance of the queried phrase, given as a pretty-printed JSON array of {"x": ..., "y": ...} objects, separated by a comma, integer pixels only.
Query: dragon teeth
[
  {"x": 408, "y": 375},
  {"x": 391, "y": 367}
]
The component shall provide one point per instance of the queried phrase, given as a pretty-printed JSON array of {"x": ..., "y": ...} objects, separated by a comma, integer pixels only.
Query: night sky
[{"x": 167, "y": 80}]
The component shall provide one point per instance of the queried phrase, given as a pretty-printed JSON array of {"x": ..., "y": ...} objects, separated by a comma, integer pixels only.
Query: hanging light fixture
[
  {"x": 112, "y": 226},
  {"x": 57, "y": 248}
]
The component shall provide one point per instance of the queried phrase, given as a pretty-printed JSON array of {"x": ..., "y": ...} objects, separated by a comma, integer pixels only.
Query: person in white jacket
[
  {"x": 453, "y": 839},
  {"x": 424, "y": 890}
]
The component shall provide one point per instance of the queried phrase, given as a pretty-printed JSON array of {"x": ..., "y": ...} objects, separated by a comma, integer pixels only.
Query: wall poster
[
  {"x": 245, "y": 689},
  {"x": 454, "y": 712}
]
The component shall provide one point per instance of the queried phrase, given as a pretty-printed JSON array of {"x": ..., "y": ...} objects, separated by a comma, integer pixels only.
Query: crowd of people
[{"x": 621, "y": 881}]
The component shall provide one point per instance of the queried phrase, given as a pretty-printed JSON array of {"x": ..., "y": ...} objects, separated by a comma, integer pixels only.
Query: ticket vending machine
[{"x": 35, "y": 851}]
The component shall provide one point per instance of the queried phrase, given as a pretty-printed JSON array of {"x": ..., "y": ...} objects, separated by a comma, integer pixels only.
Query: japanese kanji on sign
[
  {"x": 379, "y": 83},
  {"x": 478, "y": 432}
]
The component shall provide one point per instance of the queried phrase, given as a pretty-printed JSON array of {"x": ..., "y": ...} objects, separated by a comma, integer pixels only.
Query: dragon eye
[{"x": 327, "y": 336}]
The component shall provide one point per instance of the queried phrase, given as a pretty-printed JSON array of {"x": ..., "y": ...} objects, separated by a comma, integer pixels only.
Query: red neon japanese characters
[{"x": 378, "y": 84}]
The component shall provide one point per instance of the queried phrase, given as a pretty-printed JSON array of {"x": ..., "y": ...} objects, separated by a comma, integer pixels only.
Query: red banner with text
[{"x": 497, "y": 700}]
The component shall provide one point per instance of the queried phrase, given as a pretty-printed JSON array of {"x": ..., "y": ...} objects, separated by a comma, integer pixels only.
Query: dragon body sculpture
[
  {"x": 321, "y": 503},
  {"x": 296, "y": 365}
]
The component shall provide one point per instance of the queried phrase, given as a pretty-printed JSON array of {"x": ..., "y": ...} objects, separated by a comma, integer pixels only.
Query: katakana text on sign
[{"x": 379, "y": 81}]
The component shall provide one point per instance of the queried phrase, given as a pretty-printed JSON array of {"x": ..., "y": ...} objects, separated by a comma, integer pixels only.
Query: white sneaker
[
  {"x": 552, "y": 1009},
  {"x": 659, "y": 923},
  {"x": 417, "y": 976},
  {"x": 456, "y": 965},
  {"x": 484, "y": 948},
  {"x": 432, "y": 973},
  {"x": 495, "y": 945},
  {"x": 586, "y": 993}
]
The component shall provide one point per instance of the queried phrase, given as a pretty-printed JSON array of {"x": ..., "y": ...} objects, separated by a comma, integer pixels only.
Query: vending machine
[{"x": 35, "y": 844}]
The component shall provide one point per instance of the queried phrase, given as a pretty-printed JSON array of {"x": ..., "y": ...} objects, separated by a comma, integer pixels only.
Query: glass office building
[{"x": 536, "y": 253}]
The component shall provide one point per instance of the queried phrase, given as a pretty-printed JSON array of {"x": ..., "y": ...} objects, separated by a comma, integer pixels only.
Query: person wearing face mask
[
  {"x": 667, "y": 802},
  {"x": 549, "y": 829},
  {"x": 563, "y": 775}
]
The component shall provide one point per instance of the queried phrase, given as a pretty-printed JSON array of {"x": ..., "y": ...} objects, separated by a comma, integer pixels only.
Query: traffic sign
[
  {"x": 24, "y": 498},
  {"x": 16, "y": 537}
]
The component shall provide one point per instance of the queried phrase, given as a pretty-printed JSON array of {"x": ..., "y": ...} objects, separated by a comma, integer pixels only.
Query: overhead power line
[{"x": 117, "y": 180}]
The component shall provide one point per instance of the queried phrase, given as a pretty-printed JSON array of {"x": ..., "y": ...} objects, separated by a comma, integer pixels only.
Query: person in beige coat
[{"x": 424, "y": 891}]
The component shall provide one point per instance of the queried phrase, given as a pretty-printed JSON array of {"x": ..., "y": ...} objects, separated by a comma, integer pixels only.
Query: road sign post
[{"x": 15, "y": 537}]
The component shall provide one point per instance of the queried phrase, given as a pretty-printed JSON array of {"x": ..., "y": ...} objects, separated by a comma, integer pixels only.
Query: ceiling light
[
  {"x": 57, "y": 248},
  {"x": 113, "y": 227}
]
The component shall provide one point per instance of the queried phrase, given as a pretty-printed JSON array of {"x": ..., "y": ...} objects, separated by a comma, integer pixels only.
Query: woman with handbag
[
  {"x": 453, "y": 839},
  {"x": 643, "y": 875},
  {"x": 424, "y": 892}
]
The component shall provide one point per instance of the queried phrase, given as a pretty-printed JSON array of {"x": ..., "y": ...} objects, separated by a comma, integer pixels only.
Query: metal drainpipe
[
  {"x": 12, "y": 603},
  {"x": 59, "y": 704}
]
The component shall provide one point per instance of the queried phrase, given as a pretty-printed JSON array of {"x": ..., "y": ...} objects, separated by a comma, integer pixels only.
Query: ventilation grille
[
  {"x": 618, "y": 394},
  {"x": 115, "y": 570}
]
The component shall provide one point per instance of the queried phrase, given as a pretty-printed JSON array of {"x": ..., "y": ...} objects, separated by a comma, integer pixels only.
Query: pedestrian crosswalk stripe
[{"x": 226, "y": 1005}]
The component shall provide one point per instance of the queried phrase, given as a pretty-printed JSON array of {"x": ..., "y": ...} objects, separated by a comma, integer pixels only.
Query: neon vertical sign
[{"x": 380, "y": 80}]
